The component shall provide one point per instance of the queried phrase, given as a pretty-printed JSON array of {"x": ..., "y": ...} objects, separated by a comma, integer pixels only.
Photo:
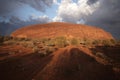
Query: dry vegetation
[
  {"x": 46, "y": 46},
  {"x": 42, "y": 48},
  {"x": 61, "y": 41}
]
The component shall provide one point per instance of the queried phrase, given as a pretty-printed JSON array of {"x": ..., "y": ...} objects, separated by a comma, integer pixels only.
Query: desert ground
[
  {"x": 45, "y": 53},
  {"x": 20, "y": 61}
]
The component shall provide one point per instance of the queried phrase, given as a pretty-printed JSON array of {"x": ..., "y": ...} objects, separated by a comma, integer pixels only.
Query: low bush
[
  {"x": 49, "y": 50},
  {"x": 44, "y": 40},
  {"x": 101, "y": 55},
  {"x": 7, "y": 38},
  {"x": 10, "y": 42},
  {"x": 30, "y": 44},
  {"x": 61, "y": 41},
  {"x": 42, "y": 53},
  {"x": 75, "y": 41},
  {"x": 108, "y": 43},
  {"x": 50, "y": 43},
  {"x": 96, "y": 42},
  {"x": 36, "y": 49}
]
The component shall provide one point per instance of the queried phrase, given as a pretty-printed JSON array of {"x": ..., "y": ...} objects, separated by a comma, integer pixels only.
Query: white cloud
[
  {"x": 81, "y": 21},
  {"x": 70, "y": 11},
  {"x": 57, "y": 19},
  {"x": 107, "y": 16},
  {"x": 33, "y": 19},
  {"x": 56, "y": 2},
  {"x": 37, "y": 4},
  {"x": 39, "y": 19},
  {"x": 15, "y": 23},
  {"x": 9, "y": 7}
]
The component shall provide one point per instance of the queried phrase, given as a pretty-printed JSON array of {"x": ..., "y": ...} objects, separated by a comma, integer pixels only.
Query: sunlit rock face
[{"x": 56, "y": 29}]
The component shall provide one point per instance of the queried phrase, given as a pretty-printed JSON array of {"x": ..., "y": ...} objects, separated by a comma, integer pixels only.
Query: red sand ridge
[{"x": 56, "y": 29}]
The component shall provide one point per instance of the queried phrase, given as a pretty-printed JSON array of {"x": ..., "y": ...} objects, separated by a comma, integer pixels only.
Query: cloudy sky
[{"x": 18, "y": 13}]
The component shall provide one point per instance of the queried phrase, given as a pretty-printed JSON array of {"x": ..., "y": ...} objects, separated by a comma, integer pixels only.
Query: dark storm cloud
[
  {"x": 16, "y": 23},
  {"x": 7, "y": 28},
  {"x": 107, "y": 16},
  {"x": 38, "y": 4},
  {"x": 10, "y": 22},
  {"x": 8, "y": 6}
]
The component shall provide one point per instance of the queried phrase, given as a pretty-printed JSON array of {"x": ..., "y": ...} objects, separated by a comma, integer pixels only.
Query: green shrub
[
  {"x": 30, "y": 45},
  {"x": 50, "y": 43},
  {"x": 44, "y": 40},
  {"x": 108, "y": 43},
  {"x": 49, "y": 50},
  {"x": 82, "y": 42},
  {"x": 114, "y": 42},
  {"x": 101, "y": 55},
  {"x": 42, "y": 53},
  {"x": 61, "y": 41},
  {"x": 7, "y": 38},
  {"x": 95, "y": 42},
  {"x": 10, "y": 42},
  {"x": 74, "y": 41},
  {"x": 88, "y": 42}
]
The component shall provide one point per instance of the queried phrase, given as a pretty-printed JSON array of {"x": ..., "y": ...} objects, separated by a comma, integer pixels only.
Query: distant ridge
[{"x": 55, "y": 29}]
